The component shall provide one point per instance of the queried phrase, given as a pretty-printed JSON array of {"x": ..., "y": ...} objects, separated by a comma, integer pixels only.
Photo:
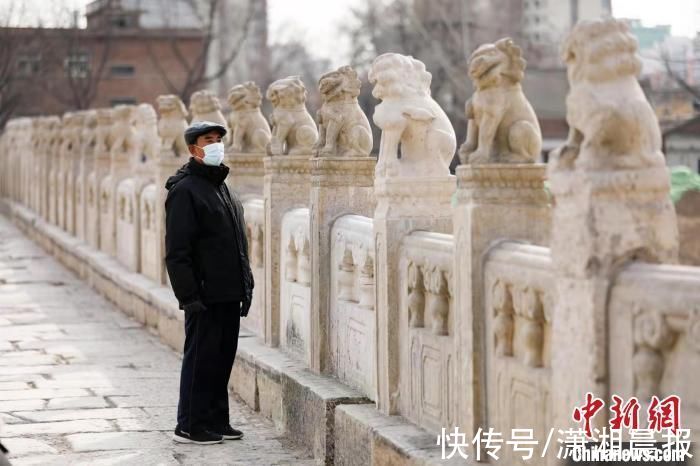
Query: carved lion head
[
  {"x": 337, "y": 84},
  {"x": 287, "y": 92},
  {"x": 170, "y": 103},
  {"x": 394, "y": 75},
  {"x": 600, "y": 50},
  {"x": 492, "y": 64},
  {"x": 245, "y": 96},
  {"x": 204, "y": 102}
]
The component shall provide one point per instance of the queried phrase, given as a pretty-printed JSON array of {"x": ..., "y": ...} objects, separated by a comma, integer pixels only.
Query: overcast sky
[{"x": 317, "y": 21}]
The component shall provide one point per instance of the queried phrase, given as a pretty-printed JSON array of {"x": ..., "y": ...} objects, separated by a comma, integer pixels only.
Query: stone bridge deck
[{"x": 80, "y": 383}]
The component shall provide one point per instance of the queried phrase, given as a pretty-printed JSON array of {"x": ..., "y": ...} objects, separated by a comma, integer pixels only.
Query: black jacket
[{"x": 206, "y": 249}]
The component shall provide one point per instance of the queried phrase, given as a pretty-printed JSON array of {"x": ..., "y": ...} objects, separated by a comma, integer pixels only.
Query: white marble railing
[
  {"x": 430, "y": 307},
  {"x": 255, "y": 229},
  {"x": 518, "y": 316},
  {"x": 295, "y": 283},
  {"x": 426, "y": 329},
  {"x": 654, "y": 334},
  {"x": 353, "y": 338},
  {"x": 151, "y": 262}
]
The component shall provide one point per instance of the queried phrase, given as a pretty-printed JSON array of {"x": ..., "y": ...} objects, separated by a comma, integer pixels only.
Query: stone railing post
[
  {"x": 403, "y": 206},
  {"x": 173, "y": 154},
  {"x": 72, "y": 166},
  {"x": 124, "y": 145},
  {"x": 413, "y": 192},
  {"x": 612, "y": 206},
  {"x": 247, "y": 173},
  {"x": 286, "y": 187},
  {"x": 339, "y": 186},
  {"x": 100, "y": 169},
  {"x": 248, "y": 139},
  {"x": 492, "y": 202},
  {"x": 85, "y": 165},
  {"x": 49, "y": 163},
  {"x": 500, "y": 195},
  {"x": 342, "y": 182},
  {"x": 167, "y": 165},
  {"x": 287, "y": 182}
]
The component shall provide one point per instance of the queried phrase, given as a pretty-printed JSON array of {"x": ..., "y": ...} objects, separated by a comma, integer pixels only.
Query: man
[{"x": 206, "y": 254}]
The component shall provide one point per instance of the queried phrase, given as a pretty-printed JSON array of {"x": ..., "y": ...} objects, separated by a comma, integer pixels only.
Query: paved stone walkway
[{"x": 80, "y": 383}]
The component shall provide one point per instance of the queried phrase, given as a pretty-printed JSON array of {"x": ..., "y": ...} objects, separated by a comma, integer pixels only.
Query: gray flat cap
[{"x": 197, "y": 128}]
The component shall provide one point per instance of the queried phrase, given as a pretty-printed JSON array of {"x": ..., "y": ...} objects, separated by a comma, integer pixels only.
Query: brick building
[{"x": 129, "y": 52}]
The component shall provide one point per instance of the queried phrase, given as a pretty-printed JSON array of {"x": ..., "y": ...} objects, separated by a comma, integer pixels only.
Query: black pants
[{"x": 211, "y": 339}]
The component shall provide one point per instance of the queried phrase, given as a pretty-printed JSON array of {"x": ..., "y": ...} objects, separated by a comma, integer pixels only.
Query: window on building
[
  {"x": 698, "y": 165},
  {"x": 77, "y": 65},
  {"x": 122, "y": 101},
  {"x": 28, "y": 64},
  {"x": 121, "y": 71},
  {"x": 120, "y": 22}
]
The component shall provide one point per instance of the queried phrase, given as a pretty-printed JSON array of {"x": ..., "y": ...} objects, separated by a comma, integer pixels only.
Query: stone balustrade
[
  {"x": 352, "y": 299},
  {"x": 473, "y": 300}
]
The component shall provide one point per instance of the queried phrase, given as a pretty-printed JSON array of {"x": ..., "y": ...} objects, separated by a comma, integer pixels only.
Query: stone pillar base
[
  {"x": 602, "y": 221},
  {"x": 247, "y": 173},
  {"x": 492, "y": 202},
  {"x": 404, "y": 205},
  {"x": 339, "y": 186},
  {"x": 286, "y": 186}
]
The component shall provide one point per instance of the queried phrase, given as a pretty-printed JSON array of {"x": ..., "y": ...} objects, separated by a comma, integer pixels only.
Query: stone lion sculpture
[
  {"x": 343, "y": 127},
  {"x": 293, "y": 129},
  {"x": 147, "y": 126},
  {"x": 502, "y": 126},
  {"x": 123, "y": 133},
  {"x": 250, "y": 131},
  {"x": 409, "y": 117},
  {"x": 172, "y": 124},
  {"x": 205, "y": 106},
  {"x": 612, "y": 126}
]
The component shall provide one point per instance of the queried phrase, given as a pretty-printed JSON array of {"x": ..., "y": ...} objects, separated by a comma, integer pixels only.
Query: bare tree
[
  {"x": 10, "y": 74},
  {"x": 10, "y": 95},
  {"x": 195, "y": 67},
  {"x": 74, "y": 61},
  {"x": 434, "y": 37},
  {"x": 676, "y": 77}
]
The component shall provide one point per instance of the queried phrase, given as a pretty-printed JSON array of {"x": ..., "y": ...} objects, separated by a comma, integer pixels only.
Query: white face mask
[{"x": 213, "y": 154}]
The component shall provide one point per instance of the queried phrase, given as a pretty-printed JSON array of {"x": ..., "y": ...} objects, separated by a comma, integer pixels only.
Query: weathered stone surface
[
  {"x": 58, "y": 427},
  {"x": 19, "y": 447},
  {"x": 344, "y": 130},
  {"x": 116, "y": 441},
  {"x": 250, "y": 132},
  {"x": 81, "y": 413},
  {"x": 612, "y": 206},
  {"x": 409, "y": 117},
  {"x": 172, "y": 124},
  {"x": 502, "y": 126},
  {"x": 118, "y": 359},
  {"x": 293, "y": 130},
  {"x": 77, "y": 402}
]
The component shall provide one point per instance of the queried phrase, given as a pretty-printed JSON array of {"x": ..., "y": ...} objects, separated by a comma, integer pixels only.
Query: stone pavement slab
[{"x": 82, "y": 384}]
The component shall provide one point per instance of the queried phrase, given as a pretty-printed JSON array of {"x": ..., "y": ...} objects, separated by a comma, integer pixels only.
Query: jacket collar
[{"x": 216, "y": 175}]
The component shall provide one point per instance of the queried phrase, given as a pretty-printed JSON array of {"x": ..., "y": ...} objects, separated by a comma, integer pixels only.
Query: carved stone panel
[
  {"x": 426, "y": 333},
  {"x": 295, "y": 292},
  {"x": 352, "y": 317}
]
